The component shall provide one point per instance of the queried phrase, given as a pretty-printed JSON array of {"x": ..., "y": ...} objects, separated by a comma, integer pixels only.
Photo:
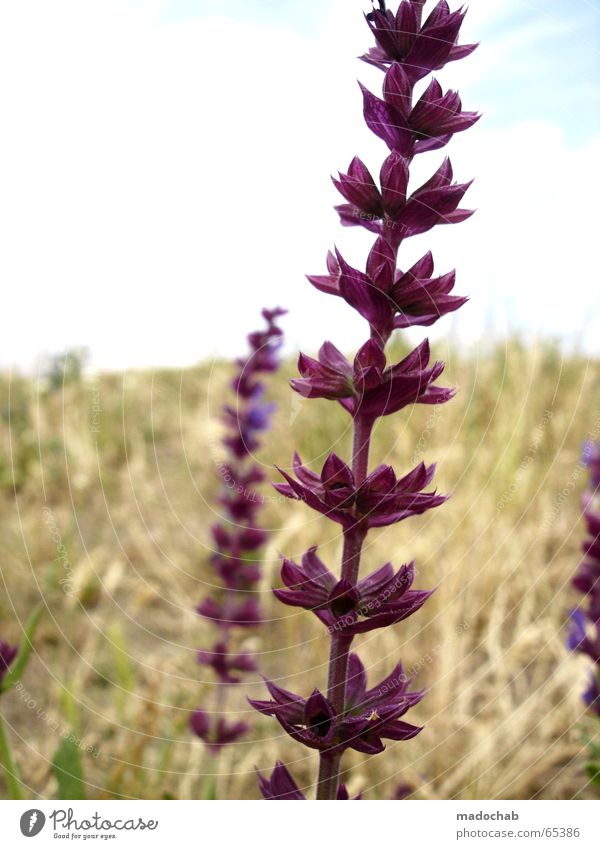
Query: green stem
[{"x": 8, "y": 763}]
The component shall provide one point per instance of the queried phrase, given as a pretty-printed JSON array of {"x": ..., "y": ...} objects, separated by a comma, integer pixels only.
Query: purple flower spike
[
  {"x": 591, "y": 696},
  {"x": 237, "y": 539},
  {"x": 584, "y": 623},
  {"x": 358, "y": 497},
  {"x": 7, "y": 655},
  {"x": 591, "y": 458}
]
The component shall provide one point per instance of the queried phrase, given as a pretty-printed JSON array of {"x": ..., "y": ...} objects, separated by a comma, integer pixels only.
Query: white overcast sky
[{"x": 164, "y": 173}]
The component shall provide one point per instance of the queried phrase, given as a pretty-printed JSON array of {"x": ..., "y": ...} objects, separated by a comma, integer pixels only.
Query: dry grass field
[{"x": 107, "y": 489}]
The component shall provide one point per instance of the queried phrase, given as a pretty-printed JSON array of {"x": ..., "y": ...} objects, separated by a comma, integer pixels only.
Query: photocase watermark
[
  {"x": 237, "y": 487},
  {"x": 425, "y": 437},
  {"x": 526, "y": 462},
  {"x": 95, "y": 407},
  {"x": 92, "y": 827},
  {"x": 368, "y": 216},
  {"x": 243, "y": 491},
  {"x": 66, "y": 820},
  {"x": 296, "y": 403},
  {"x": 54, "y": 724},
  {"x": 62, "y": 555},
  {"x": 32, "y": 822}
]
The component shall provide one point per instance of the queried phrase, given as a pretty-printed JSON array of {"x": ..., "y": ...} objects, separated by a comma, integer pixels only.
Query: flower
[
  {"x": 282, "y": 786},
  {"x": 591, "y": 458},
  {"x": 216, "y": 733},
  {"x": 239, "y": 496},
  {"x": 584, "y": 622},
  {"x": 387, "y": 298},
  {"x": 578, "y": 638},
  {"x": 369, "y": 716},
  {"x": 263, "y": 357},
  {"x": 420, "y": 47},
  {"x": 247, "y": 423},
  {"x": 587, "y": 579},
  {"x": 235, "y": 572},
  {"x": 403, "y": 790},
  {"x": 382, "y": 499},
  {"x": 435, "y": 202},
  {"x": 406, "y": 129},
  {"x": 7, "y": 655},
  {"x": 229, "y": 613},
  {"x": 223, "y": 663},
  {"x": 368, "y": 388},
  {"x": 359, "y": 189},
  {"x": 591, "y": 696},
  {"x": 383, "y": 598},
  {"x": 236, "y": 539}
]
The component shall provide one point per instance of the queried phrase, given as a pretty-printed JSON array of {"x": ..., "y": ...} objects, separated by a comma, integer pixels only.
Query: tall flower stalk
[
  {"x": 349, "y": 714},
  {"x": 237, "y": 536},
  {"x": 584, "y": 631}
]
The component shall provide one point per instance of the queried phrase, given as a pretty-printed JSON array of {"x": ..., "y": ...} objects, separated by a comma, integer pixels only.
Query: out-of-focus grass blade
[
  {"x": 68, "y": 770},
  {"x": 122, "y": 664},
  {"x": 209, "y": 789},
  {"x": 593, "y": 772},
  {"x": 70, "y": 707},
  {"x": 17, "y": 669}
]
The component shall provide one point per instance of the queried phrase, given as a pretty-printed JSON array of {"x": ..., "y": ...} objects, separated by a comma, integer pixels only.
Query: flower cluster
[
  {"x": 281, "y": 785},
  {"x": 236, "y": 537},
  {"x": 369, "y": 716},
  {"x": 584, "y": 631},
  {"x": 383, "y": 598},
  {"x": 349, "y": 715}
]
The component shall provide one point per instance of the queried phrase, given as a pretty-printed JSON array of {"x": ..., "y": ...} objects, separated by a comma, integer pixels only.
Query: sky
[{"x": 165, "y": 172}]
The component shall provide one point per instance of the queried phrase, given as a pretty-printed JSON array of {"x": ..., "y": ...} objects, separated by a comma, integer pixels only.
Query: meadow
[{"x": 107, "y": 491}]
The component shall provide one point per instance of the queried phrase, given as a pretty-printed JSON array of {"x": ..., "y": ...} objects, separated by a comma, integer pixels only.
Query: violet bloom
[
  {"x": 216, "y": 734},
  {"x": 368, "y": 716},
  {"x": 7, "y": 655},
  {"x": 281, "y": 785},
  {"x": 383, "y": 598},
  {"x": 237, "y": 537},
  {"x": 408, "y": 47},
  {"x": 584, "y": 627}
]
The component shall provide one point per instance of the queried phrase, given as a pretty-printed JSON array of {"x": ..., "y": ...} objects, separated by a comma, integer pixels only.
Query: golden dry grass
[{"x": 107, "y": 490}]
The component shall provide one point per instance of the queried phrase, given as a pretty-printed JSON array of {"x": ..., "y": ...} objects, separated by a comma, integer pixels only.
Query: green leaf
[
  {"x": 68, "y": 770},
  {"x": 15, "y": 673},
  {"x": 122, "y": 665}
]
